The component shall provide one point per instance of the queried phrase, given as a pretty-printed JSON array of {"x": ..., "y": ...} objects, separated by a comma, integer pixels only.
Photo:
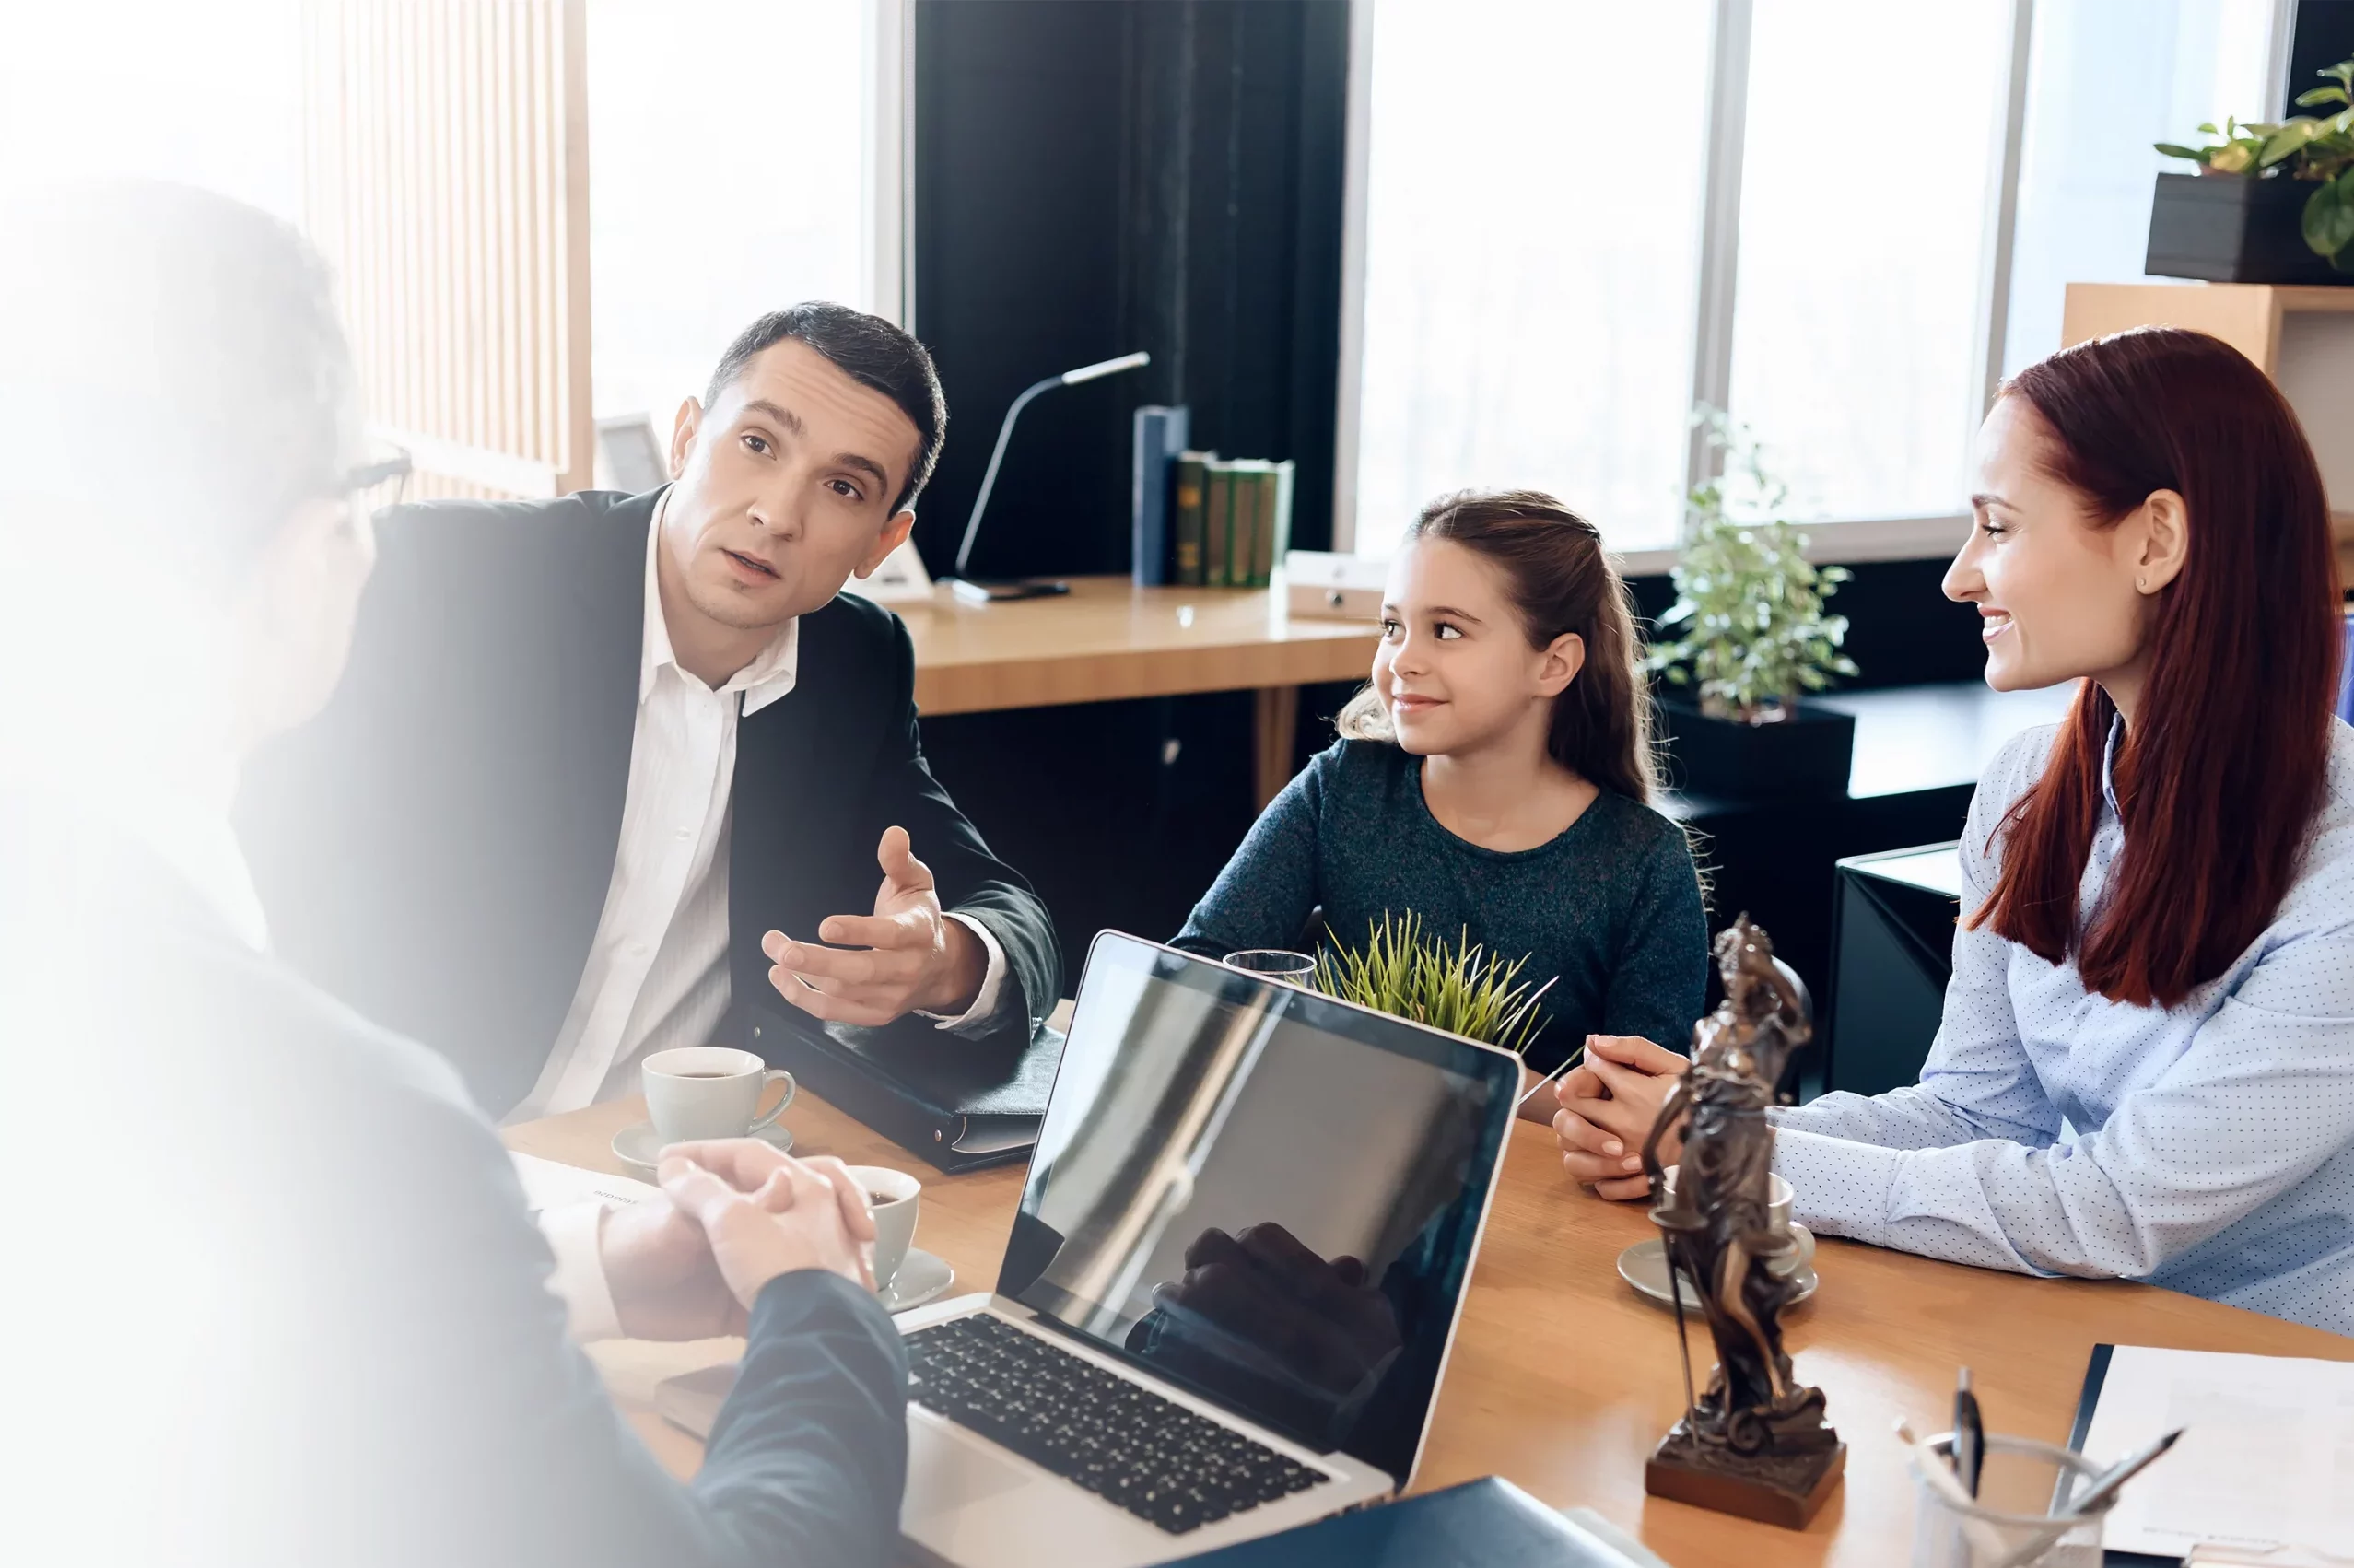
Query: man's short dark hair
[
  {"x": 169, "y": 332},
  {"x": 869, "y": 350}
]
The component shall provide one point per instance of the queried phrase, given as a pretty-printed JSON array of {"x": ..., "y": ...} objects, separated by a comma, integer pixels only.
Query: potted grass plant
[
  {"x": 1458, "y": 986},
  {"x": 1751, "y": 638},
  {"x": 2270, "y": 203}
]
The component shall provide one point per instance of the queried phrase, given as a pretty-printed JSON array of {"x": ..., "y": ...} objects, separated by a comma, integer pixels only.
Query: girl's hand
[{"x": 1607, "y": 1105}]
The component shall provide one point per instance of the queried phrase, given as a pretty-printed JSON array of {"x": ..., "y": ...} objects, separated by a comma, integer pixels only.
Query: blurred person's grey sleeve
[{"x": 531, "y": 1460}]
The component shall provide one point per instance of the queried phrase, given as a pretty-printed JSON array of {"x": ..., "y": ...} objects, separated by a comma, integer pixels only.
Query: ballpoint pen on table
[
  {"x": 2103, "y": 1488},
  {"x": 2105, "y": 1484},
  {"x": 1969, "y": 1435}
]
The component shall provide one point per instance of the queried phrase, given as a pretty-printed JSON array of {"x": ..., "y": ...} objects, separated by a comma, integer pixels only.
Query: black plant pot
[
  {"x": 1807, "y": 754},
  {"x": 2229, "y": 229}
]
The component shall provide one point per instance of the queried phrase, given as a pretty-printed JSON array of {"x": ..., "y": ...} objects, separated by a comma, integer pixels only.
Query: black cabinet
[{"x": 1892, "y": 925}]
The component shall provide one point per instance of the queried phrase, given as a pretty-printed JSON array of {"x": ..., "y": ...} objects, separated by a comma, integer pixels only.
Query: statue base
[{"x": 1787, "y": 1489}]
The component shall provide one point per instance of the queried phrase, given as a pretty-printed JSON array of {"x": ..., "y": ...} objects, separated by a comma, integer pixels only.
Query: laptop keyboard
[{"x": 1118, "y": 1439}]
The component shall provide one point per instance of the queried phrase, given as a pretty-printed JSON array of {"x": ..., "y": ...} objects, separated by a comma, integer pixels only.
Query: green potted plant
[
  {"x": 2270, "y": 203},
  {"x": 1457, "y": 986},
  {"x": 1751, "y": 636}
]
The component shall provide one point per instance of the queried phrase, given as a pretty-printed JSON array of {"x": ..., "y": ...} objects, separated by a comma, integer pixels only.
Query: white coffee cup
[
  {"x": 892, "y": 1197},
  {"x": 710, "y": 1091},
  {"x": 1780, "y": 1198}
]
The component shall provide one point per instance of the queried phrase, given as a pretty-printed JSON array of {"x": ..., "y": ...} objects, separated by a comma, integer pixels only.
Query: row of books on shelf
[{"x": 1203, "y": 520}]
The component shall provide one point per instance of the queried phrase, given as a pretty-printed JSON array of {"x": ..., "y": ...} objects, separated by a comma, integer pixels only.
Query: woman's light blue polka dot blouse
[{"x": 2209, "y": 1147}]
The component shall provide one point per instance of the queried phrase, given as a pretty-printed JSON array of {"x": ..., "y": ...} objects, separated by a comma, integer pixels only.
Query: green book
[
  {"x": 1218, "y": 521},
  {"x": 1242, "y": 542},
  {"x": 1186, "y": 526},
  {"x": 1274, "y": 538}
]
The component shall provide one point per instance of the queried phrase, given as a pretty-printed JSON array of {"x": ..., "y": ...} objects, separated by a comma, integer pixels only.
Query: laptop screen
[{"x": 1262, "y": 1194}]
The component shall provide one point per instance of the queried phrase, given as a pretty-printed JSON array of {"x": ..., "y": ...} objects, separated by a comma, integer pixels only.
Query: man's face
[{"x": 784, "y": 488}]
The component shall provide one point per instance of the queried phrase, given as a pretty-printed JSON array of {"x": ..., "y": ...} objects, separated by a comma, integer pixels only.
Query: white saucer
[
  {"x": 922, "y": 1278},
  {"x": 1645, "y": 1265},
  {"x": 639, "y": 1147}
]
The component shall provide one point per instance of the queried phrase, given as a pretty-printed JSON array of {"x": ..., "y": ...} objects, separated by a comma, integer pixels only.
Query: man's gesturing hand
[
  {"x": 802, "y": 1214},
  {"x": 913, "y": 958}
]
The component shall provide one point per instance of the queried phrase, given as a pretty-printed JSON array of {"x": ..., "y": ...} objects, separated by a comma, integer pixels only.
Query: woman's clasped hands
[{"x": 1608, "y": 1103}]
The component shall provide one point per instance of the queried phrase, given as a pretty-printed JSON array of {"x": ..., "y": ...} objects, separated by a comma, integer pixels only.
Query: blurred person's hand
[
  {"x": 763, "y": 1213},
  {"x": 659, "y": 1270},
  {"x": 657, "y": 1263}
]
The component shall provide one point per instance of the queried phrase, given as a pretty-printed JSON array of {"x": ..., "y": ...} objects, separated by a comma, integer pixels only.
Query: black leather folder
[{"x": 957, "y": 1102}]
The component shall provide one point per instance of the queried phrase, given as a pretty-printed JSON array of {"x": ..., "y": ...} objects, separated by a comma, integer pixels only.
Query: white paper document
[
  {"x": 550, "y": 1185},
  {"x": 2264, "y": 1471}
]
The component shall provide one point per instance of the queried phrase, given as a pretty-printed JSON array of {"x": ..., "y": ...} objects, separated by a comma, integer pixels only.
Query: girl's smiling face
[{"x": 1454, "y": 670}]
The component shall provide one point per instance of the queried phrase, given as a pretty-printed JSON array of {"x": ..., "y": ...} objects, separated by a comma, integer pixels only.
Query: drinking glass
[
  {"x": 2012, "y": 1524},
  {"x": 1276, "y": 964}
]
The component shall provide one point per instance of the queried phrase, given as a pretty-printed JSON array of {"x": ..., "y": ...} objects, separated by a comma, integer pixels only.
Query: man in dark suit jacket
[
  {"x": 610, "y": 768},
  {"x": 283, "y": 1304}
]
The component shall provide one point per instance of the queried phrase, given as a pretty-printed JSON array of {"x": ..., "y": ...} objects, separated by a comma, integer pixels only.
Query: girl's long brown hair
[
  {"x": 1560, "y": 581},
  {"x": 2226, "y": 764}
]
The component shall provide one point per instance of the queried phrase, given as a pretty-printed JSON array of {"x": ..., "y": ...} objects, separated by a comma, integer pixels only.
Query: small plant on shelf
[
  {"x": 1749, "y": 604},
  {"x": 2316, "y": 147},
  {"x": 1460, "y": 987}
]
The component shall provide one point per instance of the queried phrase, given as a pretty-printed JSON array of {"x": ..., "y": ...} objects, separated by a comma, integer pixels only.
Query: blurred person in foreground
[{"x": 278, "y": 1293}]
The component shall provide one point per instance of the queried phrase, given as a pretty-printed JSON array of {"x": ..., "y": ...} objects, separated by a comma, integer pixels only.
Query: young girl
[{"x": 1495, "y": 777}]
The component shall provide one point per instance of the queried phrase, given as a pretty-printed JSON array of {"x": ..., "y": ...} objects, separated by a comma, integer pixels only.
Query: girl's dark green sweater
[{"x": 1611, "y": 907}]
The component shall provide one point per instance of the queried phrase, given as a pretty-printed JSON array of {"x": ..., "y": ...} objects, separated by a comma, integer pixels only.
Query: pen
[
  {"x": 1969, "y": 1435},
  {"x": 2105, "y": 1484}
]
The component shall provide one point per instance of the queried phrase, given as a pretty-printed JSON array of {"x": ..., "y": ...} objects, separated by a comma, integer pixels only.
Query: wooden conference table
[
  {"x": 1562, "y": 1379},
  {"x": 1108, "y": 640}
]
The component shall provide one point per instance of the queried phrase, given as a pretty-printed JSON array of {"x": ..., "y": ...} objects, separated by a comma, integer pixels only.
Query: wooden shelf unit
[{"x": 2301, "y": 336}]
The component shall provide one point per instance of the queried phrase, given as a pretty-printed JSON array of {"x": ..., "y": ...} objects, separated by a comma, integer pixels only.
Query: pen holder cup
[{"x": 2010, "y": 1524}]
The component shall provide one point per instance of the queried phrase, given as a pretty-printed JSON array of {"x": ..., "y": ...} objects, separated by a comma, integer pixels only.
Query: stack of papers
[
  {"x": 2264, "y": 1471},
  {"x": 548, "y": 1185}
]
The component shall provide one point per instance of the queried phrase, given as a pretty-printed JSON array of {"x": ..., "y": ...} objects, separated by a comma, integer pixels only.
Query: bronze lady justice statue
[{"x": 1754, "y": 1443}]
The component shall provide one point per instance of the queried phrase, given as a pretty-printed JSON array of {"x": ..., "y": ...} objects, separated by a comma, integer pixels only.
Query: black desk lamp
[{"x": 967, "y": 588}]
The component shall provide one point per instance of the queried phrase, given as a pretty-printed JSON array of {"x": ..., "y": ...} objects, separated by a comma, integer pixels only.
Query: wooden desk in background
[
  {"x": 1107, "y": 640},
  {"x": 1562, "y": 1380}
]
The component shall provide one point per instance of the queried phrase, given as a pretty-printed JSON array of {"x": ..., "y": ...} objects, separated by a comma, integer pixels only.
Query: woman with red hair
[{"x": 2146, "y": 1065}]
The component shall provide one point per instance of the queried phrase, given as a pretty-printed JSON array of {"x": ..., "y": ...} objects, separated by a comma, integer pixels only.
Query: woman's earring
[{"x": 2142, "y": 583}]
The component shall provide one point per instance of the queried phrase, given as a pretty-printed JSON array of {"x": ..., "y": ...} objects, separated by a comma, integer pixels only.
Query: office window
[
  {"x": 2110, "y": 77},
  {"x": 728, "y": 153},
  {"x": 1533, "y": 280},
  {"x": 1532, "y": 218},
  {"x": 1872, "y": 151}
]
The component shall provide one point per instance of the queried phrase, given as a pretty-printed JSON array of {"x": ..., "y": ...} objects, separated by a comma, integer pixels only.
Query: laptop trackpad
[{"x": 948, "y": 1472}]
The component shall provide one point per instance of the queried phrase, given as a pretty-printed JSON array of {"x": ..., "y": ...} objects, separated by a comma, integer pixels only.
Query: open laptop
[{"x": 1233, "y": 1283}]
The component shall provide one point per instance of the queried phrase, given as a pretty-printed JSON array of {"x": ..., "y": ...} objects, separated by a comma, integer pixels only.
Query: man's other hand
[{"x": 905, "y": 957}]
